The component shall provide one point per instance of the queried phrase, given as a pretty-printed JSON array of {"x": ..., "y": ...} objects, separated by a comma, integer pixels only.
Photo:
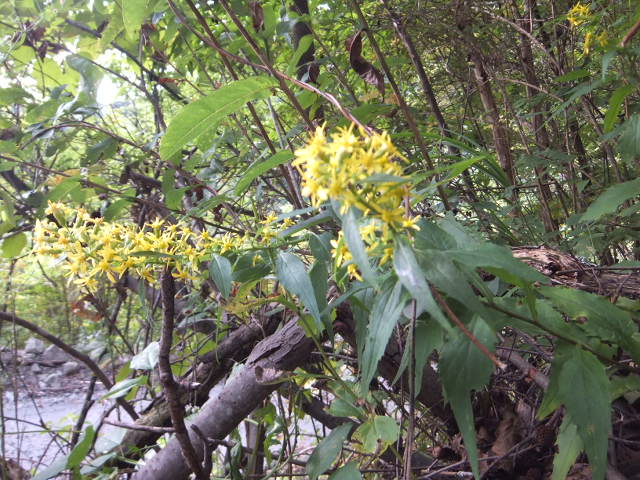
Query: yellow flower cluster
[
  {"x": 361, "y": 171},
  {"x": 578, "y": 14},
  {"x": 94, "y": 249}
]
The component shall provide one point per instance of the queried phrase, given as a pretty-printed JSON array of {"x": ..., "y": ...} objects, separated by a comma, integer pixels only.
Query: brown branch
[
  {"x": 630, "y": 34},
  {"x": 142, "y": 428},
  {"x": 169, "y": 385},
  {"x": 454, "y": 318}
]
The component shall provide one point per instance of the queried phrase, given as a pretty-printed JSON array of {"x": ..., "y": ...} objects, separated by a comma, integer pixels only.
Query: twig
[
  {"x": 169, "y": 385},
  {"x": 141, "y": 428},
  {"x": 452, "y": 316},
  {"x": 88, "y": 403},
  {"x": 630, "y": 34}
]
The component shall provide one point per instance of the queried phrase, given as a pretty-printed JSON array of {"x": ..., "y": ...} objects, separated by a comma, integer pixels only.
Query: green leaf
[
  {"x": 293, "y": 276},
  {"x": 261, "y": 168},
  {"x": 327, "y": 451},
  {"x": 134, "y": 13},
  {"x": 11, "y": 95},
  {"x": 81, "y": 450},
  {"x": 603, "y": 319},
  {"x": 612, "y": 197},
  {"x": 146, "y": 359},
  {"x": 120, "y": 389},
  {"x": 629, "y": 142},
  {"x": 584, "y": 390},
  {"x": 220, "y": 270},
  {"x": 13, "y": 245},
  {"x": 569, "y": 446},
  {"x": 386, "y": 310},
  {"x": 356, "y": 246},
  {"x": 615, "y": 103},
  {"x": 350, "y": 471},
  {"x": 52, "y": 470},
  {"x": 114, "y": 210},
  {"x": 199, "y": 116},
  {"x": 380, "y": 430},
  {"x": 463, "y": 368}
]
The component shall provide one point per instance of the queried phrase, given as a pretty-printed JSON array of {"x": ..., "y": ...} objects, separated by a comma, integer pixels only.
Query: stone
[
  {"x": 69, "y": 368},
  {"x": 29, "y": 358},
  {"x": 34, "y": 345},
  {"x": 35, "y": 369},
  {"x": 53, "y": 379},
  {"x": 53, "y": 356}
]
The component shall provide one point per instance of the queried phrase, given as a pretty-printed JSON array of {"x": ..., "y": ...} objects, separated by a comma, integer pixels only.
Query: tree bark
[{"x": 265, "y": 368}]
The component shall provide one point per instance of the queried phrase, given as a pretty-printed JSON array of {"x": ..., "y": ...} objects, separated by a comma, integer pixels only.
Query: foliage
[{"x": 253, "y": 150}]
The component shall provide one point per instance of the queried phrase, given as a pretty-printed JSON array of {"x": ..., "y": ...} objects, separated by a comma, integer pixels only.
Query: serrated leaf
[
  {"x": 356, "y": 246},
  {"x": 13, "y": 245},
  {"x": 350, "y": 471},
  {"x": 220, "y": 270},
  {"x": 569, "y": 446},
  {"x": 81, "y": 450},
  {"x": 199, "y": 116},
  {"x": 463, "y": 368},
  {"x": 584, "y": 390},
  {"x": 294, "y": 277},
  {"x": 147, "y": 358},
  {"x": 611, "y": 199},
  {"x": 380, "y": 430},
  {"x": 386, "y": 310},
  {"x": 261, "y": 168},
  {"x": 327, "y": 451}
]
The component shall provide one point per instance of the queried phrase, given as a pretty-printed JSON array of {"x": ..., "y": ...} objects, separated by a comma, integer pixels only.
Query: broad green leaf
[
  {"x": 499, "y": 261},
  {"x": 615, "y": 103},
  {"x": 611, "y": 199},
  {"x": 327, "y": 451},
  {"x": 199, "y": 116},
  {"x": 53, "y": 470},
  {"x": 261, "y": 168},
  {"x": 319, "y": 276},
  {"x": 147, "y": 358},
  {"x": 13, "y": 245},
  {"x": 464, "y": 368},
  {"x": 320, "y": 246},
  {"x": 249, "y": 268},
  {"x": 569, "y": 447},
  {"x": 623, "y": 385},
  {"x": 356, "y": 246},
  {"x": 379, "y": 431},
  {"x": 429, "y": 337},
  {"x": 220, "y": 270},
  {"x": 114, "y": 210},
  {"x": 410, "y": 274},
  {"x": 603, "y": 319},
  {"x": 120, "y": 389},
  {"x": 343, "y": 408},
  {"x": 90, "y": 73},
  {"x": 134, "y": 13},
  {"x": 293, "y": 276},
  {"x": 350, "y": 471},
  {"x": 584, "y": 390},
  {"x": 386, "y": 310},
  {"x": 11, "y": 95},
  {"x": 80, "y": 451},
  {"x": 629, "y": 143}
]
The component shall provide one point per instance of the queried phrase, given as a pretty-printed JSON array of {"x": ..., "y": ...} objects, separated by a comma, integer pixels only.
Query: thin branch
[{"x": 169, "y": 385}]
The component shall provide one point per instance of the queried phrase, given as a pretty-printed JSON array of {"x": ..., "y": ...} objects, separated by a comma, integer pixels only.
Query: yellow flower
[
  {"x": 578, "y": 14},
  {"x": 588, "y": 41},
  {"x": 352, "y": 270}
]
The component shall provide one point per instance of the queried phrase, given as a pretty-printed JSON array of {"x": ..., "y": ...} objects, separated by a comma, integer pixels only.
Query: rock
[
  {"x": 95, "y": 348},
  {"x": 29, "y": 358},
  {"x": 69, "y": 368},
  {"x": 53, "y": 379},
  {"x": 7, "y": 358},
  {"x": 53, "y": 356},
  {"x": 34, "y": 345},
  {"x": 35, "y": 369}
]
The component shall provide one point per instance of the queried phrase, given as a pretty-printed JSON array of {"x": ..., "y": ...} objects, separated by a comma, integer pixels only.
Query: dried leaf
[
  {"x": 257, "y": 16},
  {"x": 362, "y": 67}
]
